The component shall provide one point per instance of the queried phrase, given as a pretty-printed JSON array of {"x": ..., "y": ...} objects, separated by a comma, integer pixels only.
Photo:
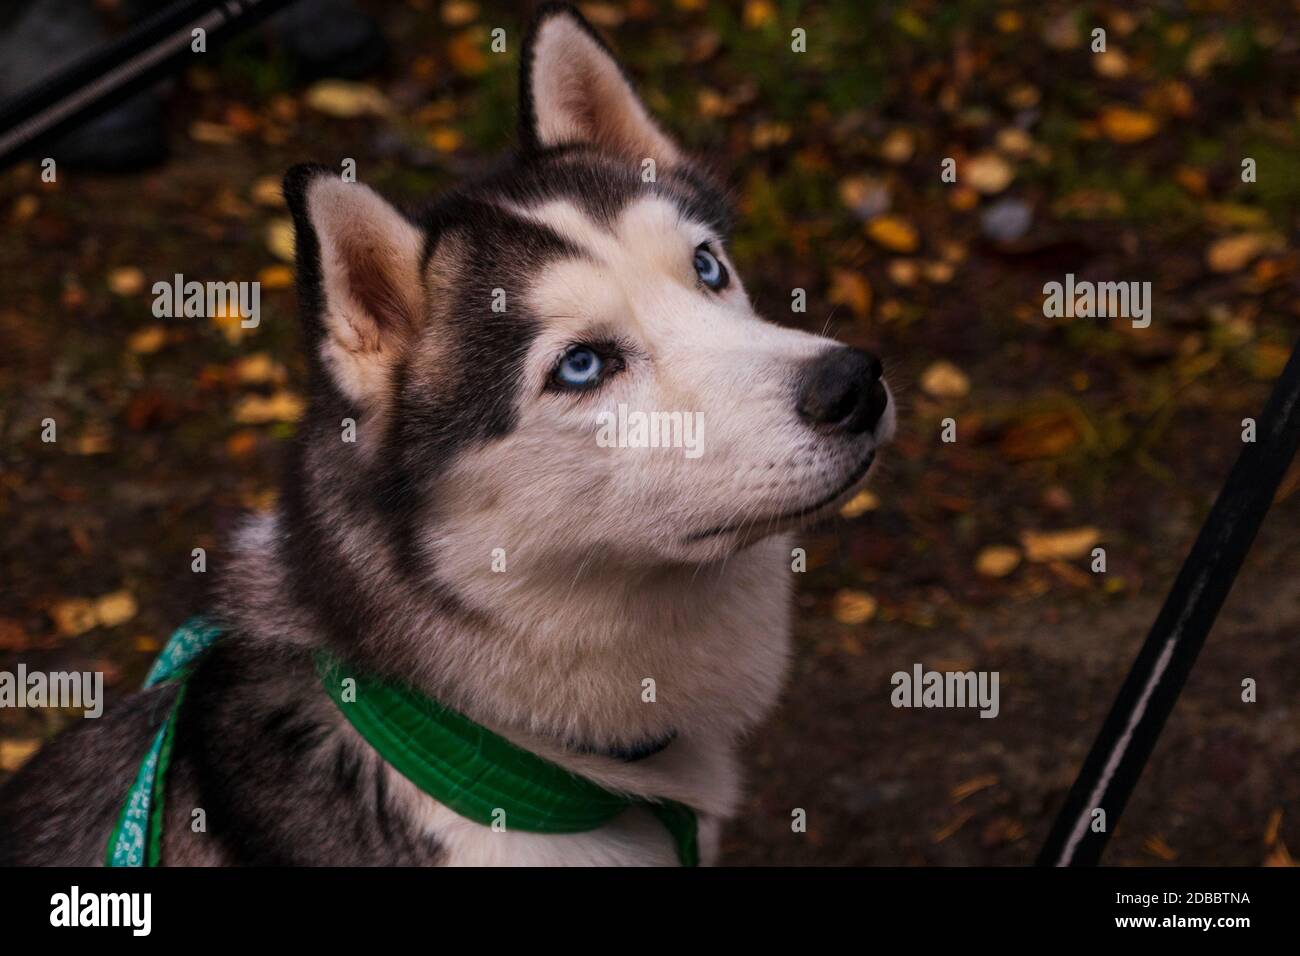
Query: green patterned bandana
[{"x": 463, "y": 765}]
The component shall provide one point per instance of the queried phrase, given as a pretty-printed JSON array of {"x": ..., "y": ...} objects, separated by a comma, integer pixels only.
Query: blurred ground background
[{"x": 1122, "y": 166}]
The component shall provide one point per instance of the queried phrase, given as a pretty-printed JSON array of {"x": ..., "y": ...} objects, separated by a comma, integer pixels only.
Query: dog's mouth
[{"x": 803, "y": 511}]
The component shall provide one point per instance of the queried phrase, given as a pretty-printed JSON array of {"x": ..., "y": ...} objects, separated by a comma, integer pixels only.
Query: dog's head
[{"x": 517, "y": 357}]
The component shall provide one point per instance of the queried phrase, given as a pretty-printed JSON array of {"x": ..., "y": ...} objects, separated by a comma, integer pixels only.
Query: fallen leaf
[
  {"x": 267, "y": 192},
  {"x": 1120, "y": 124},
  {"x": 898, "y": 146},
  {"x": 938, "y": 272},
  {"x": 1268, "y": 360},
  {"x": 276, "y": 277},
  {"x": 446, "y": 139},
  {"x": 851, "y": 289},
  {"x": 767, "y": 134},
  {"x": 346, "y": 99},
  {"x": 128, "y": 280},
  {"x": 894, "y": 232},
  {"x": 283, "y": 406},
  {"x": 214, "y": 134},
  {"x": 972, "y": 786},
  {"x": 1206, "y": 53},
  {"x": 458, "y": 13},
  {"x": 1042, "y": 435},
  {"x": 860, "y": 504},
  {"x": 147, "y": 340},
  {"x": 1044, "y": 546},
  {"x": 944, "y": 380},
  {"x": 987, "y": 173},
  {"x": 904, "y": 272},
  {"x": 12, "y": 635},
  {"x": 466, "y": 52},
  {"x": 1157, "y": 846},
  {"x": 242, "y": 443},
  {"x": 853, "y": 607},
  {"x": 1279, "y": 856},
  {"x": 1112, "y": 64},
  {"x": 279, "y": 238},
  {"x": 997, "y": 561},
  {"x": 759, "y": 13},
  {"x": 15, "y": 753},
  {"x": 1014, "y": 142},
  {"x": 95, "y": 440},
  {"x": 259, "y": 369},
  {"x": 25, "y": 207},
  {"x": 1232, "y": 253},
  {"x": 866, "y": 196},
  {"x": 114, "y": 609},
  {"x": 74, "y": 616}
]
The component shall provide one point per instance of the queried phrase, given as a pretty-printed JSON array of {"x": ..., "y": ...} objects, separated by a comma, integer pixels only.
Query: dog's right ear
[{"x": 359, "y": 288}]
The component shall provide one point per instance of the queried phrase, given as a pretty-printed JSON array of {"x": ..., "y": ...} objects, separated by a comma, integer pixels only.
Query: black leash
[
  {"x": 157, "y": 47},
  {"x": 1131, "y": 729}
]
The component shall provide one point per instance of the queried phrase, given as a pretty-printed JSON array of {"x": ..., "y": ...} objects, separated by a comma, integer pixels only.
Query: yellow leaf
[
  {"x": 276, "y": 277},
  {"x": 898, "y": 146},
  {"x": 1112, "y": 64},
  {"x": 972, "y": 786},
  {"x": 259, "y": 369},
  {"x": 25, "y": 207},
  {"x": 127, "y": 280},
  {"x": 283, "y": 406},
  {"x": 894, "y": 232},
  {"x": 1042, "y": 546},
  {"x": 214, "y": 134},
  {"x": 997, "y": 561},
  {"x": 74, "y": 616},
  {"x": 1236, "y": 252},
  {"x": 759, "y": 13},
  {"x": 114, "y": 609},
  {"x": 1157, "y": 846},
  {"x": 1123, "y": 125},
  {"x": 279, "y": 238},
  {"x": 445, "y": 139},
  {"x": 458, "y": 13},
  {"x": 766, "y": 135},
  {"x": 854, "y": 607},
  {"x": 466, "y": 52},
  {"x": 605, "y": 15},
  {"x": 266, "y": 192},
  {"x": 851, "y": 289},
  {"x": 860, "y": 504},
  {"x": 15, "y": 753},
  {"x": 147, "y": 340},
  {"x": 945, "y": 380},
  {"x": 345, "y": 99},
  {"x": 987, "y": 173}
]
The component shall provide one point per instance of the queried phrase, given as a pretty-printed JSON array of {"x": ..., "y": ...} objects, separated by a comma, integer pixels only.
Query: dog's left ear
[{"x": 573, "y": 91}]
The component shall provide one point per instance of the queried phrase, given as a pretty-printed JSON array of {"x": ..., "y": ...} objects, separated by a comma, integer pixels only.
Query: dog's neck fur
[{"x": 557, "y": 660}]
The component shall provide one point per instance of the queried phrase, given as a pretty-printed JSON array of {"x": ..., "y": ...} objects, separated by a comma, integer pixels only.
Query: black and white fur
[{"x": 622, "y": 564}]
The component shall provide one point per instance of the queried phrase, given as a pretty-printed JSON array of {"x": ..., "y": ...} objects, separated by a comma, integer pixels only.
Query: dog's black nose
[{"x": 842, "y": 388}]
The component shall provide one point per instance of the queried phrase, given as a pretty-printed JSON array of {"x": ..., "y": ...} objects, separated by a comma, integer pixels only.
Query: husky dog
[{"x": 476, "y": 541}]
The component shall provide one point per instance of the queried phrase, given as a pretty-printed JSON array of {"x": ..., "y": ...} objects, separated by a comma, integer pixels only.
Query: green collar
[
  {"x": 481, "y": 775},
  {"x": 463, "y": 765}
]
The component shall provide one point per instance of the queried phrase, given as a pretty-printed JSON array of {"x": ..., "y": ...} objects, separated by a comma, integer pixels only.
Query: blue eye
[
  {"x": 711, "y": 272},
  {"x": 579, "y": 368}
]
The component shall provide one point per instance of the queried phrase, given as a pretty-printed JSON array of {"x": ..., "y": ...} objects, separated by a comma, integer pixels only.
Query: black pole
[
  {"x": 155, "y": 48},
  {"x": 1131, "y": 729}
]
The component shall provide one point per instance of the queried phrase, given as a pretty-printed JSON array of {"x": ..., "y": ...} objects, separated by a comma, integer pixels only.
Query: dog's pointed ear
[
  {"x": 359, "y": 286},
  {"x": 573, "y": 91}
]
